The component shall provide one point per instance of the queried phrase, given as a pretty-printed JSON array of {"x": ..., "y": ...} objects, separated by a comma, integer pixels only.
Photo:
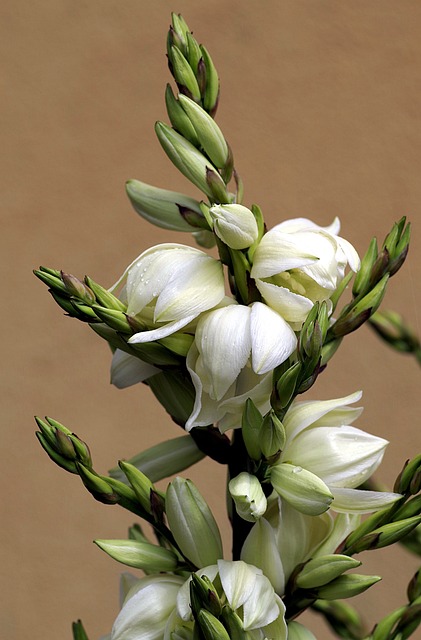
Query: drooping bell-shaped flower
[
  {"x": 168, "y": 286},
  {"x": 325, "y": 459},
  {"x": 234, "y": 353},
  {"x": 298, "y": 263}
]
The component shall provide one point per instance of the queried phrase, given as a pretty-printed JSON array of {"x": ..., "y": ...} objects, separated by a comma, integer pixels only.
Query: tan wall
[{"x": 320, "y": 102}]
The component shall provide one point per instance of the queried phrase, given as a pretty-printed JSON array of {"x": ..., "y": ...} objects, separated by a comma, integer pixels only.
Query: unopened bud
[
  {"x": 192, "y": 164},
  {"x": 179, "y": 118},
  {"x": 251, "y": 423},
  {"x": 302, "y": 489},
  {"x": 210, "y": 136},
  {"x": 233, "y": 624},
  {"x": 203, "y": 595},
  {"x": 211, "y": 627},
  {"x": 183, "y": 74},
  {"x": 97, "y": 485},
  {"x": 363, "y": 277},
  {"x": 384, "y": 628},
  {"x": 272, "y": 437},
  {"x": 78, "y": 630},
  {"x": 322, "y": 570},
  {"x": 140, "y": 483},
  {"x": 347, "y": 586},
  {"x": 210, "y": 99},
  {"x": 77, "y": 288},
  {"x": 140, "y": 555},
  {"x": 405, "y": 481},
  {"x": 234, "y": 224},
  {"x": 192, "y": 523},
  {"x": 249, "y": 499}
]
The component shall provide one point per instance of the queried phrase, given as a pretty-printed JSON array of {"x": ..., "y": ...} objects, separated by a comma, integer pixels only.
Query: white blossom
[{"x": 298, "y": 263}]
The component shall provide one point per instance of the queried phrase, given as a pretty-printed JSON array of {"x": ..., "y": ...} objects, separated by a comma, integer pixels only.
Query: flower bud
[
  {"x": 98, "y": 486},
  {"x": 79, "y": 632},
  {"x": 140, "y": 483},
  {"x": 297, "y": 631},
  {"x": 233, "y": 624},
  {"x": 192, "y": 523},
  {"x": 407, "y": 475},
  {"x": 251, "y": 423},
  {"x": 165, "y": 208},
  {"x": 247, "y": 493},
  {"x": 302, "y": 489},
  {"x": 203, "y": 595},
  {"x": 272, "y": 437},
  {"x": 387, "y": 534},
  {"x": 210, "y": 136},
  {"x": 234, "y": 224},
  {"x": 140, "y": 555},
  {"x": 183, "y": 73},
  {"x": 347, "y": 586},
  {"x": 192, "y": 164},
  {"x": 211, "y": 97},
  {"x": 77, "y": 288},
  {"x": 384, "y": 628},
  {"x": 322, "y": 570},
  {"x": 211, "y": 627},
  {"x": 286, "y": 385},
  {"x": 179, "y": 118}
]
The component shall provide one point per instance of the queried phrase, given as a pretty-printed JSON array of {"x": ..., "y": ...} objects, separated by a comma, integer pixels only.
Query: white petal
[
  {"x": 278, "y": 251},
  {"x": 357, "y": 501},
  {"x": 291, "y": 306},
  {"x": 341, "y": 456},
  {"x": 303, "y": 414},
  {"x": 260, "y": 549},
  {"x": 238, "y": 580},
  {"x": 261, "y": 608},
  {"x": 272, "y": 338},
  {"x": 127, "y": 370},
  {"x": 147, "y": 608},
  {"x": 343, "y": 524},
  {"x": 183, "y": 597},
  {"x": 161, "y": 332},
  {"x": 224, "y": 343},
  {"x": 248, "y": 385}
]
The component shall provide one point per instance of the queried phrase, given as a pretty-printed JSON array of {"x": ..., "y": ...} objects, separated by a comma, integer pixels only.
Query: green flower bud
[
  {"x": 192, "y": 164},
  {"x": 75, "y": 287},
  {"x": 163, "y": 208},
  {"x": 361, "y": 310},
  {"x": 140, "y": 555},
  {"x": 249, "y": 499},
  {"x": 79, "y": 632},
  {"x": 179, "y": 118},
  {"x": 140, "y": 483},
  {"x": 341, "y": 617},
  {"x": 183, "y": 74},
  {"x": 233, "y": 624},
  {"x": 322, "y": 570},
  {"x": 387, "y": 534},
  {"x": 104, "y": 297},
  {"x": 52, "y": 278},
  {"x": 63, "y": 446},
  {"x": 115, "y": 319},
  {"x": 194, "y": 54},
  {"x": 383, "y": 629},
  {"x": 272, "y": 437},
  {"x": 406, "y": 476},
  {"x": 234, "y": 224},
  {"x": 251, "y": 423},
  {"x": 205, "y": 239},
  {"x": 192, "y": 523},
  {"x": 210, "y": 99},
  {"x": 98, "y": 486},
  {"x": 181, "y": 632},
  {"x": 347, "y": 586},
  {"x": 211, "y": 627},
  {"x": 203, "y": 595},
  {"x": 363, "y": 278},
  {"x": 302, "y": 489},
  {"x": 286, "y": 385},
  {"x": 414, "y": 587},
  {"x": 208, "y": 133}
]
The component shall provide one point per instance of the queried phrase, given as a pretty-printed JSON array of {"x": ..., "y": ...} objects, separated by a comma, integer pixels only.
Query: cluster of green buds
[{"x": 371, "y": 280}]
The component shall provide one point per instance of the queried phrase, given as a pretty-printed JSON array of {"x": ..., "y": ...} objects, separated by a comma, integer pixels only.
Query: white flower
[
  {"x": 147, "y": 608},
  {"x": 320, "y": 446},
  {"x": 168, "y": 286},
  {"x": 285, "y": 538},
  {"x": 235, "y": 351},
  {"x": 298, "y": 263},
  {"x": 248, "y": 592},
  {"x": 234, "y": 224}
]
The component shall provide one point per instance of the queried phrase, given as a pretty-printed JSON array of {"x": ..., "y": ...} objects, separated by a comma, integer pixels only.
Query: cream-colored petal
[
  {"x": 127, "y": 370},
  {"x": 272, "y": 338},
  {"x": 357, "y": 501}
]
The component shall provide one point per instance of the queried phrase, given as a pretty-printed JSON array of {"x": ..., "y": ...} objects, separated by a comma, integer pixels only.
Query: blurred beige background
[{"x": 320, "y": 101}]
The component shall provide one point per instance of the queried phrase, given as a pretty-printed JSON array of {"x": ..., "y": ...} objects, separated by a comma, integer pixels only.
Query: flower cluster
[{"x": 227, "y": 342}]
